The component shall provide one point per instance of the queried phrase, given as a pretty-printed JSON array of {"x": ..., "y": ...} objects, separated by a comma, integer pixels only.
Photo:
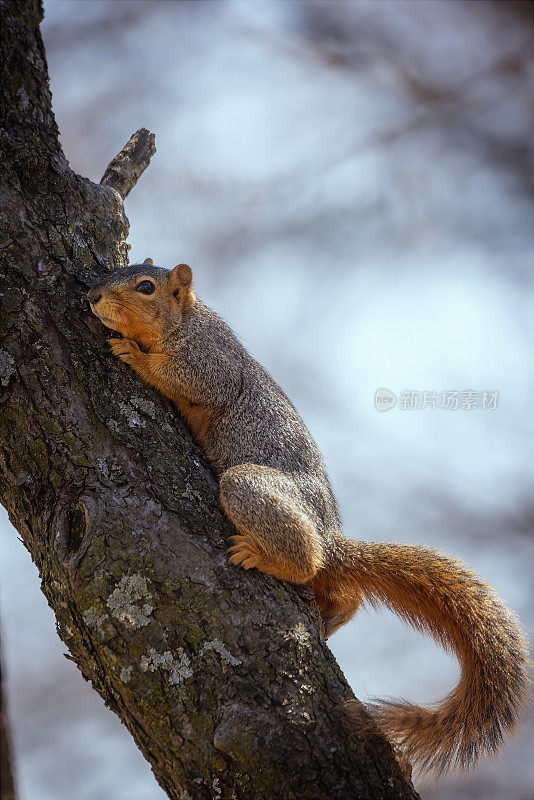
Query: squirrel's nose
[{"x": 94, "y": 296}]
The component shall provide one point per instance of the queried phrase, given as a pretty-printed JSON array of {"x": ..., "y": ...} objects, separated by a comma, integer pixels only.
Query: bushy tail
[{"x": 439, "y": 595}]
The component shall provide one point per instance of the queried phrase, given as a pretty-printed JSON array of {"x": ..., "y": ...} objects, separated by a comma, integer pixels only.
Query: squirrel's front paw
[{"x": 126, "y": 349}]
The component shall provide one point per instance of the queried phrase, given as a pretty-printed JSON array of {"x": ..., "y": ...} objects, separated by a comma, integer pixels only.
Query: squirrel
[{"x": 274, "y": 489}]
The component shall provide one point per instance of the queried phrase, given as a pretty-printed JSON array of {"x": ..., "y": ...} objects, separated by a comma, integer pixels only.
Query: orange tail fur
[{"x": 437, "y": 594}]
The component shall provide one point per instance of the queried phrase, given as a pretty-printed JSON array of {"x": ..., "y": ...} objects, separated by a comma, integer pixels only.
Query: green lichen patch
[
  {"x": 129, "y": 601},
  {"x": 177, "y": 665}
]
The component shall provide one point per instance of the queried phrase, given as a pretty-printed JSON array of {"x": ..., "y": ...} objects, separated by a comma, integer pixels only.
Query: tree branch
[
  {"x": 221, "y": 675},
  {"x": 126, "y": 168}
]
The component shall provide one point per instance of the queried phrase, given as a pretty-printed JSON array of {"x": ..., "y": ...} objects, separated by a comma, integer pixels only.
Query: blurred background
[{"x": 352, "y": 185}]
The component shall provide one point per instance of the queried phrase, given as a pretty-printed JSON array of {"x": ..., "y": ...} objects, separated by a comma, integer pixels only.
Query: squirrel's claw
[
  {"x": 125, "y": 349},
  {"x": 244, "y": 552}
]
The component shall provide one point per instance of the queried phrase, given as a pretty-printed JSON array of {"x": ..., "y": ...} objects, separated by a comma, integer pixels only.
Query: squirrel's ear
[
  {"x": 149, "y": 262},
  {"x": 180, "y": 277},
  {"x": 180, "y": 285}
]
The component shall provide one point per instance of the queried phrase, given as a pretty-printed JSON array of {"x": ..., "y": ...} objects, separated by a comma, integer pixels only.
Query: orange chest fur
[{"x": 197, "y": 416}]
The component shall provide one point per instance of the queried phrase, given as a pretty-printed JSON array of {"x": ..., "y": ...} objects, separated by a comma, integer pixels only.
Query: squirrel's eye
[{"x": 145, "y": 287}]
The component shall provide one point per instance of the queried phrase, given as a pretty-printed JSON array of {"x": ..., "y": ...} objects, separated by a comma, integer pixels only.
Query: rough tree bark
[{"x": 221, "y": 676}]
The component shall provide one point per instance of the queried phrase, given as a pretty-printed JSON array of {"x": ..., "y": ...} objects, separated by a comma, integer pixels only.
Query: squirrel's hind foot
[{"x": 245, "y": 552}]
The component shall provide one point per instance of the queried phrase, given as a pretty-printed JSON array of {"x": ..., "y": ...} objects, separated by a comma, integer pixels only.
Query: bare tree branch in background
[
  {"x": 126, "y": 168},
  {"x": 221, "y": 676},
  {"x": 7, "y": 781}
]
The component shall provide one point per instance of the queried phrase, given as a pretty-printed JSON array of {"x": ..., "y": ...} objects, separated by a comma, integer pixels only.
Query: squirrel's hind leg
[
  {"x": 338, "y": 600},
  {"x": 334, "y": 616},
  {"x": 277, "y": 533}
]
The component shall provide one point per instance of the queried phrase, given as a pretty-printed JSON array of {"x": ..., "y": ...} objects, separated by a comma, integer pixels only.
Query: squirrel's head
[{"x": 143, "y": 302}]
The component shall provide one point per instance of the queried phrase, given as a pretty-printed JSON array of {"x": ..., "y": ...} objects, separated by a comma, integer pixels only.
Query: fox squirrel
[{"x": 274, "y": 489}]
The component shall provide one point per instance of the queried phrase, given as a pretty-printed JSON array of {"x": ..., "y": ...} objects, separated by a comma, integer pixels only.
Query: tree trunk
[{"x": 221, "y": 676}]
